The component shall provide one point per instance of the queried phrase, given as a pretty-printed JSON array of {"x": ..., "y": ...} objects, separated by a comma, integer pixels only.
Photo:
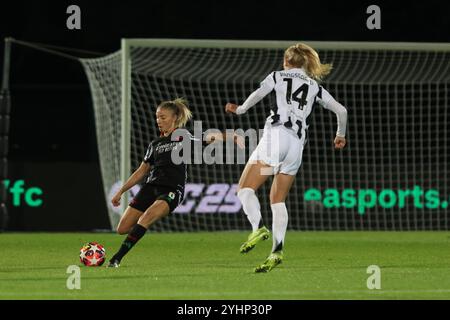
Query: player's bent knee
[
  {"x": 245, "y": 193},
  {"x": 122, "y": 230}
]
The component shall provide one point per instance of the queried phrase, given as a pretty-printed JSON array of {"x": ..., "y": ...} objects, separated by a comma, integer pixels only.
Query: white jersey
[{"x": 296, "y": 96}]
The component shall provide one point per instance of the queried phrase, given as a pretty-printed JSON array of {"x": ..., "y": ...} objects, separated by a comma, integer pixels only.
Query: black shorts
[{"x": 150, "y": 193}]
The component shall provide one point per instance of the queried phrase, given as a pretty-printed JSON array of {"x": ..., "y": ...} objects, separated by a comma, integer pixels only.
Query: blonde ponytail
[
  {"x": 303, "y": 56},
  {"x": 180, "y": 108}
]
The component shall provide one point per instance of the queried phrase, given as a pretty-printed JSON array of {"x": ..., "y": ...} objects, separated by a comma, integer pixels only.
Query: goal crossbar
[{"x": 320, "y": 45}]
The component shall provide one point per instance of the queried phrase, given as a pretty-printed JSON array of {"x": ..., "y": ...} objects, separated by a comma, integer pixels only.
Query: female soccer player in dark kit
[{"x": 163, "y": 190}]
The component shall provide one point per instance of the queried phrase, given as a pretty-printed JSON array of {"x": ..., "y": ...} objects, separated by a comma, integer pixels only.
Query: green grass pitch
[{"x": 317, "y": 265}]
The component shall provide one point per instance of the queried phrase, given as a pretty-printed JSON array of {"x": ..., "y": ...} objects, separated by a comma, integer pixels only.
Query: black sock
[
  {"x": 133, "y": 237},
  {"x": 261, "y": 224},
  {"x": 279, "y": 247}
]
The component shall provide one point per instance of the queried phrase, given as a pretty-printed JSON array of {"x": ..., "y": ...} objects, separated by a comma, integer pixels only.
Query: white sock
[
  {"x": 279, "y": 224},
  {"x": 251, "y": 206}
]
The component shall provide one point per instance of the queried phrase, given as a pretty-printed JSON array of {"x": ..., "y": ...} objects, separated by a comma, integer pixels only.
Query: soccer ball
[{"x": 92, "y": 254}]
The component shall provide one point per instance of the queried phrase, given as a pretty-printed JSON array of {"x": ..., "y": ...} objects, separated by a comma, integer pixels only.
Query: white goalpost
[{"x": 397, "y": 95}]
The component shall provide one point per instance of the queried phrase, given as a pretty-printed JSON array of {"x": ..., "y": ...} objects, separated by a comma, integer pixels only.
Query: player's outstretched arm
[
  {"x": 135, "y": 178},
  {"x": 253, "y": 99},
  {"x": 265, "y": 88}
]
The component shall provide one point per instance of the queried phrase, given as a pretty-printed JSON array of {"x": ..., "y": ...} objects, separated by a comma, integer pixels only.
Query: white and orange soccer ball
[{"x": 92, "y": 254}]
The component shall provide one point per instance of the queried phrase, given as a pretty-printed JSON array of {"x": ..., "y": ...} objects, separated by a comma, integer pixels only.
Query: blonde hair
[
  {"x": 180, "y": 108},
  {"x": 303, "y": 56}
]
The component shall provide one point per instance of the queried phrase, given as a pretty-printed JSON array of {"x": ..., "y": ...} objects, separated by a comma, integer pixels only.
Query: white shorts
[{"x": 281, "y": 149}]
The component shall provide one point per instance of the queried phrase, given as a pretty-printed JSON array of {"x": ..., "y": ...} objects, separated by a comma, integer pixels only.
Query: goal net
[{"x": 393, "y": 174}]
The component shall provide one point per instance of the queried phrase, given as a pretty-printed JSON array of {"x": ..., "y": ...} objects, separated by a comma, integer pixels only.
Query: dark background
[{"x": 52, "y": 117}]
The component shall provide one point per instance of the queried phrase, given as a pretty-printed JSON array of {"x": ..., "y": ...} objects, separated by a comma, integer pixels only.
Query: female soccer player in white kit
[{"x": 280, "y": 149}]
